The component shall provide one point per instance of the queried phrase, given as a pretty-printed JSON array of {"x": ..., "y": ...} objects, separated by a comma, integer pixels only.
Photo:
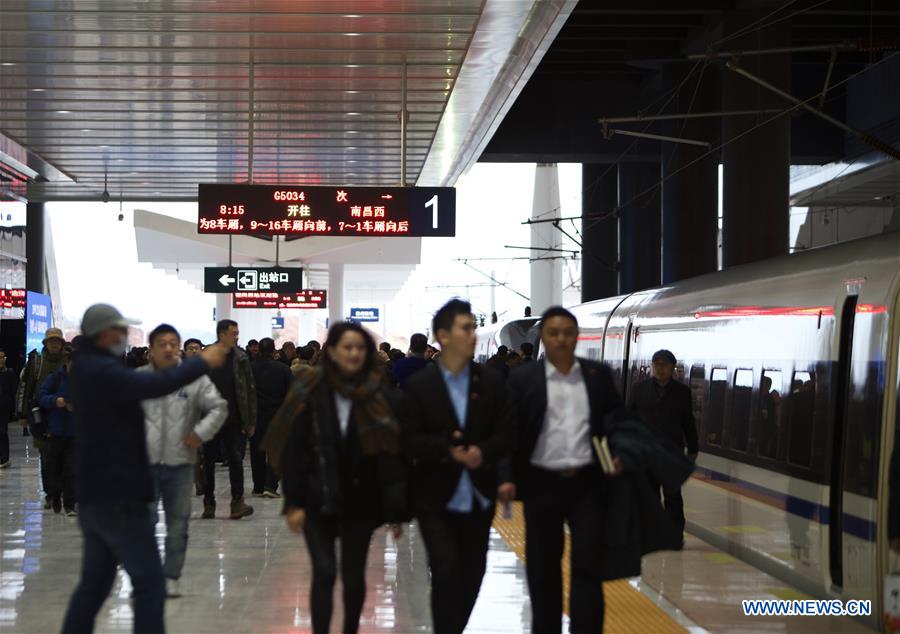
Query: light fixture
[
  {"x": 352, "y": 34},
  {"x": 352, "y": 114},
  {"x": 351, "y": 132},
  {"x": 37, "y": 90},
  {"x": 351, "y": 92},
  {"x": 8, "y": 64},
  {"x": 63, "y": 111},
  {"x": 86, "y": 130},
  {"x": 103, "y": 147}
]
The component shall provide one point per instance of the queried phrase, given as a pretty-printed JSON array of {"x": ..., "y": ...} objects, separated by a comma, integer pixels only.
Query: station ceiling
[{"x": 146, "y": 99}]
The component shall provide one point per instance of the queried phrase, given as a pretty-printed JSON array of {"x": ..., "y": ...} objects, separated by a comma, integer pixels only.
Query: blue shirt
[{"x": 458, "y": 390}]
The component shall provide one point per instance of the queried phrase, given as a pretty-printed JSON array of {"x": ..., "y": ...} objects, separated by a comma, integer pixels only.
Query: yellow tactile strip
[{"x": 627, "y": 610}]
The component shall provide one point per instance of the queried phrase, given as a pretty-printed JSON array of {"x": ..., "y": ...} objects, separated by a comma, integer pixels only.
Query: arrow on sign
[{"x": 225, "y": 280}]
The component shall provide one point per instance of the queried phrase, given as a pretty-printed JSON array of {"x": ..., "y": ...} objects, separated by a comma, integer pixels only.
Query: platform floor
[{"x": 253, "y": 576}]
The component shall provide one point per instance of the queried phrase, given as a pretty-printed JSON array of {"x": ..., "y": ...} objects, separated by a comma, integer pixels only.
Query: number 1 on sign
[{"x": 433, "y": 203}]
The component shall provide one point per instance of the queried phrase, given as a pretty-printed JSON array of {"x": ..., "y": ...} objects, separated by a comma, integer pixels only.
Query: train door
[
  {"x": 888, "y": 560},
  {"x": 842, "y": 385}
]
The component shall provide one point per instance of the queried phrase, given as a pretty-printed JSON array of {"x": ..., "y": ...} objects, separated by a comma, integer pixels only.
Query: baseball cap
[
  {"x": 663, "y": 355},
  {"x": 99, "y": 317},
  {"x": 53, "y": 333}
]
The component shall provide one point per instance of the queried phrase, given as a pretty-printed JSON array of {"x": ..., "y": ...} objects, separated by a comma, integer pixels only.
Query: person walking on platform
[
  {"x": 193, "y": 347},
  {"x": 272, "y": 379},
  {"x": 8, "y": 386},
  {"x": 114, "y": 484},
  {"x": 455, "y": 430},
  {"x": 336, "y": 438},
  {"x": 558, "y": 406},
  {"x": 37, "y": 369},
  {"x": 177, "y": 424},
  {"x": 665, "y": 406},
  {"x": 235, "y": 383},
  {"x": 59, "y": 448},
  {"x": 404, "y": 368}
]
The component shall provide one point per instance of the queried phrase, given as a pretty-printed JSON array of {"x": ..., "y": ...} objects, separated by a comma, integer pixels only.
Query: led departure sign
[
  {"x": 13, "y": 297},
  {"x": 327, "y": 211},
  {"x": 300, "y": 299}
]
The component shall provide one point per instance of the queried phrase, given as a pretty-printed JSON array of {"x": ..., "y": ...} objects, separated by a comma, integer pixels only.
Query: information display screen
[
  {"x": 300, "y": 299},
  {"x": 13, "y": 297},
  {"x": 327, "y": 211}
]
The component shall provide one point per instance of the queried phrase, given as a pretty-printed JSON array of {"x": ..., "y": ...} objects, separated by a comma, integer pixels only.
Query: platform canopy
[{"x": 148, "y": 99}]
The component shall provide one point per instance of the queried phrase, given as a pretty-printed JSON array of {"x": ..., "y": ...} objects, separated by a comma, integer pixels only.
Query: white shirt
[
  {"x": 565, "y": 438},
  {"x": 343, "y": 405}
]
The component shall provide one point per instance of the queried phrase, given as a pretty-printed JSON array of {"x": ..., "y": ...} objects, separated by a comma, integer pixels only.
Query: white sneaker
[{"x": 173, "y": 588}]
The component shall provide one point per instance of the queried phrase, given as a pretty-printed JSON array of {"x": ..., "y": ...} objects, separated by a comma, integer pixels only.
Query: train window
[
  {"x": 716, "y": 411},
  {"x": 740, "y": 409},
  {"x": 679, "y": 372},
  {"x": 801, "y": 406},
  {"x": 698, "y": 386},
  {"x": 770, "y": 425}
]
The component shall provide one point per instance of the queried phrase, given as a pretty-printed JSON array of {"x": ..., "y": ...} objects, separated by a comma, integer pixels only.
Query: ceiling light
[
  {"x": 352, "y": 15},
  {"x": 86, "y": 130},
  {"x": 63, "y": 111},
  {"x": 351, "y": 132},
  {"x": 352, "y": 34},
  {"x": 351, "y": 92},
  {"x": 352, "y": 147},
  {"x": 9, "y": 64},
  {"x": 102, "y": 147},
  {"x": 37, "y": 90},
  {"x": 352, "y": 114}
]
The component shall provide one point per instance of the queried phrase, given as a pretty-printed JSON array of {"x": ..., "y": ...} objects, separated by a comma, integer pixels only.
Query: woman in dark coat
[{"x": 337, "y": 438}]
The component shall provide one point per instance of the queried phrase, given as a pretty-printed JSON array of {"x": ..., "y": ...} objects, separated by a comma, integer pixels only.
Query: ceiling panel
[{"x": 155, "y": 97}]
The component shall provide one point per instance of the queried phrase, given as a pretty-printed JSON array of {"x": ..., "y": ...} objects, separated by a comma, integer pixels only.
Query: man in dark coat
[
  {"x": 113, "y": 479},
  {"x": 455, "y": 430},
  {"x": 665, "y": 406},
  {"x": 272, "y": 379},
  {"x": 559, "y": 405}
]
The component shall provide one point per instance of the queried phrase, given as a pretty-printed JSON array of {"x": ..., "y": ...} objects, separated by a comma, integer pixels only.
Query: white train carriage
[
  {"x": 511, "y": 334},
  {"x": 793, "y": 365}
]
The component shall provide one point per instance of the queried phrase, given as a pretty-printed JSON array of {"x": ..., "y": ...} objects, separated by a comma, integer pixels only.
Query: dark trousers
[
  {"x": 59, "y": 456},
  {"x": 553, "y": 501},
  {"x": 233, "y": 443},
  {"x": 457, "y": 545},
  {"x": 263, "y": 477},
  {"x": 4, "y": 442},
  {"x": 674, "y": 504},
  {"x": 114, "y": 534},
  {"x": 321, "y": 531}
]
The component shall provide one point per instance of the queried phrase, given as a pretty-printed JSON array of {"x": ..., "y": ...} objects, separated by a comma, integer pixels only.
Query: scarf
[{"x": 376, "y": 426}]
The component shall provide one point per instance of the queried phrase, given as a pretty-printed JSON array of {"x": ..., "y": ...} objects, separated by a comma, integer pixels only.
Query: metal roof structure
[{"x": 146, "y": 99}]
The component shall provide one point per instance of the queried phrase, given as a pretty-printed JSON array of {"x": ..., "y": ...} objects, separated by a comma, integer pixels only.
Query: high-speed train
[
  {"x": 511, "y": 334},
  {"x": 793, "y": 366}
]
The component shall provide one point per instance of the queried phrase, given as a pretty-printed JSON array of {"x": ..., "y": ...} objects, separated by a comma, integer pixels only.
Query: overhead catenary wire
[{"x": 716, "y": 149}]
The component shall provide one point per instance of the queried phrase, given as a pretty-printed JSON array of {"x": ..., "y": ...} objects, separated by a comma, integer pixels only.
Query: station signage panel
[
  {"x": 230, "y": 279},
  {"x": 277, "y": 323},
  {"x": 364, "y": 314},
  {"x": 286, "y": 210},
  {"x": 13, "y": 297},
  {"x": 301, "y": 299}
]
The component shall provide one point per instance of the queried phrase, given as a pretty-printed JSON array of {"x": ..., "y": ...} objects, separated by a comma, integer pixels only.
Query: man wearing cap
[
  {"x": 115, "y": 486},
  {"x": 665, "y": 406},
  {"x": 39, "y": 367}
]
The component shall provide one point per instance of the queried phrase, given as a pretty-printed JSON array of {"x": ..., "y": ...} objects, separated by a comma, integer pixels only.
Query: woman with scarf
[{"x": 336, "y": 441}]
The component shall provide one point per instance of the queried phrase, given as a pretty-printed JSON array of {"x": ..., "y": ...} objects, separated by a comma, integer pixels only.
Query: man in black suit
[
  {"x": 455, "y": 430},
  {"x": 665, "y": 406},
  {"x": 558, "y": 405}
]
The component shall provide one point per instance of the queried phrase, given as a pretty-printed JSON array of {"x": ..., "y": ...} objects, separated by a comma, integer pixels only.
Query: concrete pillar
[
  {"x": 223, "y": 306},
  {"x": 599, "y": 237},
  {"x": 756, "y": 166},
  {"x": 35, "y": 267},
  {"x": 335, "y": 294},
  {"x": 546, "y": 274},
  {"x": 690, "y": 193},
  {"x": 639, "y": 217}
]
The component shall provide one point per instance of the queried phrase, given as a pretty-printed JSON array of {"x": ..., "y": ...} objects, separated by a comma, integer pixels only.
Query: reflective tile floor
[{"x": 250, "y": 575}]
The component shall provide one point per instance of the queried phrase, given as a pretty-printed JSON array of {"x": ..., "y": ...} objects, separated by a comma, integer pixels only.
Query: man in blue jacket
[
  {"x": 114, "y": 484},
  {"x": 59, "y": 451}
]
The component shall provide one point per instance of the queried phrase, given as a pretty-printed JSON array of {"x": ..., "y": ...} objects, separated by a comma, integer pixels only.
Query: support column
[
  {"x": 690, "y": 192},
  {"x": 223, "y": 306},
  {"x": 639, "y": 219},
  {"x": 756, "y": 167},
  {"x": 35, "y": 267},
  {"x": 599, "y": 237},
  {"x": 335, "y": 294},
  {"x": 546, "y": 274}
]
